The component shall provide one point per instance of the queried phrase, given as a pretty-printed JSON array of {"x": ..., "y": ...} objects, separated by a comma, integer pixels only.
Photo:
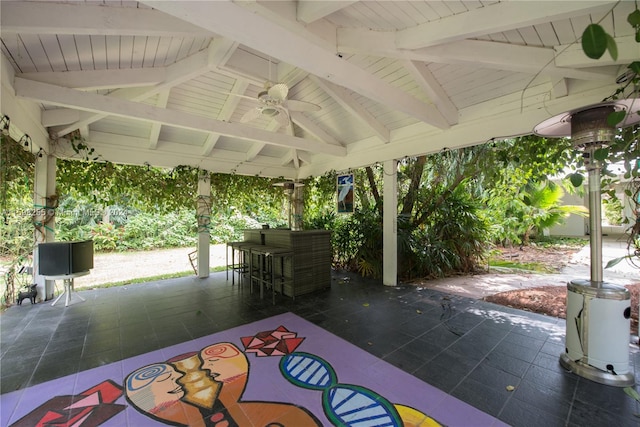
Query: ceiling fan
[{"x": 273, "y": 103}]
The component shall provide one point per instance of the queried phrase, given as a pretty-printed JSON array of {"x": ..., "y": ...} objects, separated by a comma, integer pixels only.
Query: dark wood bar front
[{"x": 310, "y": 265}]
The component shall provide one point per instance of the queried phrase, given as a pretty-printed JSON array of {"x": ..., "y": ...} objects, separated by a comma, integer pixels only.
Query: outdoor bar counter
[{"x": 309, "y": 267}]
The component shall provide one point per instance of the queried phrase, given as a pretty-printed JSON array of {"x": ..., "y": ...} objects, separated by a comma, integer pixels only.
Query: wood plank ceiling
[{"x": 170, "y": 83}]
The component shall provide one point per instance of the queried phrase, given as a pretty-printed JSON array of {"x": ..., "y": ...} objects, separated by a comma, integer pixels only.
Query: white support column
[
  {"x": 203, "y": 211},
  {"x": 45, "y": 201},
  {"x": 390, "y": 225}
]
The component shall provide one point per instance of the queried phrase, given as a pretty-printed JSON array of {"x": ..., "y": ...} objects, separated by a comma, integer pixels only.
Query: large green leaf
[
  {"x": 601, "y": 154},
  {"x": 615, "y": 261},
  {"x": 576, "y": 179},
  {"x": 634, "y": 18},
  {"x": 616, "y": 117},
  {"x": 594, "y": 41},
  {"x": 612, "y": 47}
]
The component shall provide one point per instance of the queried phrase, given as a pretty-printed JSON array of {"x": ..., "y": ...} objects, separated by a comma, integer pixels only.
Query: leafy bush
[
  {"x": 146, "y": 231},
  {"x": 613, "y": 211},
  {"x": 453, "y": 239},
  {"x": 357, "y": 242},
  {"x": 227, "y": 225},
  {"x": 106, "y": 237}
]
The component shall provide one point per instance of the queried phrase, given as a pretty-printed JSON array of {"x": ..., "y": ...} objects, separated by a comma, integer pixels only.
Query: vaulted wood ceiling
[{"x": 168, "y": 82}]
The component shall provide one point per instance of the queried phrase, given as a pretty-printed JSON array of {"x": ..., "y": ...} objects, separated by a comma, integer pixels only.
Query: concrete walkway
[{"x": 482, "y": 285}]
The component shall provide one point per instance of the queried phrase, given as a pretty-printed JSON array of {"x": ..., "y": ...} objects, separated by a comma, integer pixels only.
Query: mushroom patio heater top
[
  {"x": 598, "y": 313},
  {"x": 294, "y": 208}
]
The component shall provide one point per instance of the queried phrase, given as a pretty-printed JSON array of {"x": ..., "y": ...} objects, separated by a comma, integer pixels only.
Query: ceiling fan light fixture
[{"x": 270, "y": 111}]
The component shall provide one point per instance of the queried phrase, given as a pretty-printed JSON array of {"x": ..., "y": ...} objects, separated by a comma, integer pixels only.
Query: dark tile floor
[{"x": 470, "y": 349}]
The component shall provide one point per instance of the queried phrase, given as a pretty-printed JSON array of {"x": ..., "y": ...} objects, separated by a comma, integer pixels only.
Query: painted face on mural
[
  {"x": 154, "y": 387},
  {"x": 224, "y": 362}
]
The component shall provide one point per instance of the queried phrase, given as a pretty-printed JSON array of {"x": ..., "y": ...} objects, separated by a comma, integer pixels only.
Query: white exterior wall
[{"x": 574, "y": 225}]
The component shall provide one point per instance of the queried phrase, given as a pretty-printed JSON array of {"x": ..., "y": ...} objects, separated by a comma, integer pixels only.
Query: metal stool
[
  {"x": 264, "y": 273},
  {"x": 241, "y": 266}
]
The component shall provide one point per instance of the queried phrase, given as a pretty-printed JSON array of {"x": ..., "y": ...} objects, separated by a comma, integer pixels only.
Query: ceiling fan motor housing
[{"x": 266, "y": 98}]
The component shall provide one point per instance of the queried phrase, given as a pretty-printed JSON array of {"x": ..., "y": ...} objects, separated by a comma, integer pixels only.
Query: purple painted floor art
[{"x": 277, "y": 372}]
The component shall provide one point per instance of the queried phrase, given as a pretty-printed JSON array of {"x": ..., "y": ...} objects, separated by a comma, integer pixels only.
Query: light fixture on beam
[
  {"x": 5, "y": 124},
  {"x": 598, "y": 313},
  {"x": 25, "y": 140}
]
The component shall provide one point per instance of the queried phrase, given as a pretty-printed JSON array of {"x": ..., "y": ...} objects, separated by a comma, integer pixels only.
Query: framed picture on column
[{"x": 344, "y": 190}]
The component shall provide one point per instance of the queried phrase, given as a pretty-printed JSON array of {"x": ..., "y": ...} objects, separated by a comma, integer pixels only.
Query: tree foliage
[
  {"x": 451, "y": 205},
  {"x": 16, "y": 204}
]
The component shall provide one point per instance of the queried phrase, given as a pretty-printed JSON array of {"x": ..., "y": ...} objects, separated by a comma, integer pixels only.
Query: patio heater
[
  {"x": 293, "y": 208},
  {"x": 598, "y": 313}
]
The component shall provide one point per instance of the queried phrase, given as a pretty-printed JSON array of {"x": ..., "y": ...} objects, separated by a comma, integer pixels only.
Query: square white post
[
  {"x": 203, "y": 210},
  {"x": 390, "y": 224},
  {"x": 44, "y": 186}
]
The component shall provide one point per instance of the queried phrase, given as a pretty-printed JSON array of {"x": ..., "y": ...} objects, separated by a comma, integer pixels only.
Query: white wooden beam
[
  {"x": 560, "y": 88},
  {"x": 295, "y": 159},
  {"x": 494, "y": 18},
  {"x": 209, "y": 143},
  {"x": 24, "y": 115},
  {"x": 175, "y": 74},
  {"x": 504, "y": 56},
  {"x": 573, "y": 55},
  {"x": 255, "y": 149},
  {"x": 432, "y": 88},
  {"x": 55, "y": 95},
  {"x": 476, "y": 53},
  {"x": 311, "y": 127},
  {"x": 347, "y": 102},
  {"x": 292, "y": 43},
  {"x": 304, "y": 157},
  {"x": 129, "y": 150},
  {"x": 100, "y": 79},
  {"x": 311, "y": 10},
  {"x": 154, "y": 134},
  {"x": 239, "y": 88},
  {"x": 294, "y": 153},
  {"x": 59, "y": 116},
  {"x": 46, "y": 17},
  {"x": 84, "y": 132}
]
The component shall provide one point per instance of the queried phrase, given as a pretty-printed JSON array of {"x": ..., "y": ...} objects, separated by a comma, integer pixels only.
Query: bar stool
[
  {"x": 264, "y": 273},
  {"x": 278, "y": 256},
  {"x": 241, "y": 267}
]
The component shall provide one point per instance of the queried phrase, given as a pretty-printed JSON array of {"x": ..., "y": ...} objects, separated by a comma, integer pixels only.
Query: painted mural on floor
[{"x": 278, "y": 372}]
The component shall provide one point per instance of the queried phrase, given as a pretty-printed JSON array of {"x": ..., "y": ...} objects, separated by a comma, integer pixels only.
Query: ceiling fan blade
[
  {"x": 278, "y": 91},
  {"x": 283, "y": 117},
  {"x": 253, "y": 98},
  {"x": 250, "y": 115},
  {"x": 295, "y": 105}
]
